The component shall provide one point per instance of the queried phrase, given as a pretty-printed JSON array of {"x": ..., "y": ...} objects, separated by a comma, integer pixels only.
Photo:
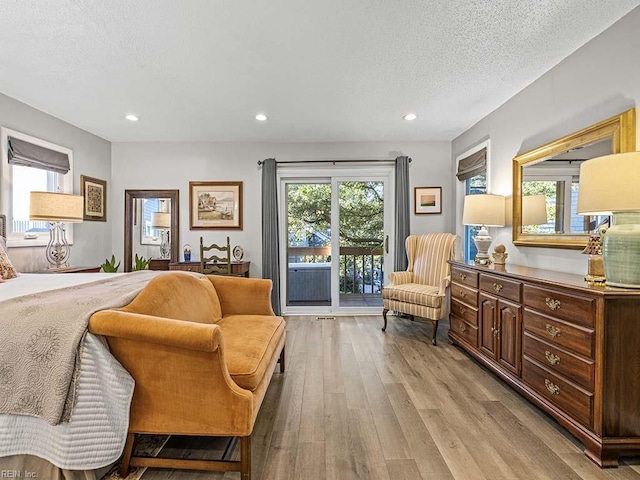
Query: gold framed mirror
[{"x": 553, "y": 170}]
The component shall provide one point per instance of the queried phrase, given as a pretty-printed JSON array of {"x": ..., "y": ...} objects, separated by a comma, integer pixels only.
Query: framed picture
[
  {"x": 427, "y": 200},
  {"x": 215, "y": 205},
  {"x": 94, "y": 192}
]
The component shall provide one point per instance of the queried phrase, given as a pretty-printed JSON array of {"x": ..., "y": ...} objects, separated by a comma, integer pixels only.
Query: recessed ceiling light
[
  {"x": 261, "y": 117},
  {"x": 131, "y": 117},
  {"x": 410, "y": 116}
]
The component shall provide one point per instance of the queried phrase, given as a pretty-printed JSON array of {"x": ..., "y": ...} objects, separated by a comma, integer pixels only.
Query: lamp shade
[
  {"x": 484, "y": 209},
  {"x": 55, "y": 207},
  {"x": 610, "y": 184},
  {"x": 534, "y": 210},
  {"x": 160, "y": 220}
]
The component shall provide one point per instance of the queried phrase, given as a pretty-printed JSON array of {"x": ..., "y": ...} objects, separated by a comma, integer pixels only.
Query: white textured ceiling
[{"x": 330, "y": 70}]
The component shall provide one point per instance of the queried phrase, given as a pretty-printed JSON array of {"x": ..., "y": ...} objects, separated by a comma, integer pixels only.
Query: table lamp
[
  {"x": 610, "y": 185},
  {"x": 162, "y": 221},
  {"x": 487, "y": 211},
  {"x": 57, "y": 209}
]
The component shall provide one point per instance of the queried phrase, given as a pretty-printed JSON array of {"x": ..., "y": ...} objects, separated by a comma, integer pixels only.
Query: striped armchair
[{"x": 421, "y": 290}]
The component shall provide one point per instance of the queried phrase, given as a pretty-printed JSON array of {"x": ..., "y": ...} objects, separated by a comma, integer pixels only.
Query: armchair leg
[
  {"x": 435, "y": 330},
  {"x": 126, "y": 457},
  {"x": 245, "y": 458},
  {"x": 281, "y": 361},
  {"x": 384, "y": 315}
]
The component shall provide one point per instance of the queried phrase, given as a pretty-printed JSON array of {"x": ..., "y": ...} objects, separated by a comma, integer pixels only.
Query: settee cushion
[
  {"x": 178, "y": 295},
  {"x": 414, "y": 293},
  {"x": 250, "y": 341}
]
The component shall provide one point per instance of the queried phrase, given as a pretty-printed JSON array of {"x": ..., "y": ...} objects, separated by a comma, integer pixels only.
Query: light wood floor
[{"x": 357, "y": 403}]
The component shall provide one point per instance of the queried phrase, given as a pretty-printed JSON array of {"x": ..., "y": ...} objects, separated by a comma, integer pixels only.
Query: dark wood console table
[
  {"x": 240, "y": 269},
  {"x": 571, "y": 348}
]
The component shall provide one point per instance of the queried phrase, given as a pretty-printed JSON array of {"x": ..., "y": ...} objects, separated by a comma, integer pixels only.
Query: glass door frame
[{"x": 333, "y": 174}]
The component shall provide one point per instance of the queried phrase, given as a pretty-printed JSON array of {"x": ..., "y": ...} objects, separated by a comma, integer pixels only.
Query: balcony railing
[{"x": 361, "y": 268}]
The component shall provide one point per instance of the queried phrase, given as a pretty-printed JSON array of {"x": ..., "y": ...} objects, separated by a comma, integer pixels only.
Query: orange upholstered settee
[{"x": 202, "y": 350}]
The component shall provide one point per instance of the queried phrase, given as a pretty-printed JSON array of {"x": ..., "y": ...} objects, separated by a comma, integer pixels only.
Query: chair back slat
[
  {"x": 428, "y": 255},
  {"x": 214, "y": 262}
]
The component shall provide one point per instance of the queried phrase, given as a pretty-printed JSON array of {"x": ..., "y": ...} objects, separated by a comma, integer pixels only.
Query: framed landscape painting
[
  {"x": 215, "y": 205},
  {"x": 427, "y": 200},
  {"x": 94, "y": 192}
]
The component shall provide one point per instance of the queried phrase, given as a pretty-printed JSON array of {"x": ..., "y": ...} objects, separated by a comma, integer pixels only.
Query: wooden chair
[
  {"x": 421, "y": 290},
  {"x": 214, "y": 263}
]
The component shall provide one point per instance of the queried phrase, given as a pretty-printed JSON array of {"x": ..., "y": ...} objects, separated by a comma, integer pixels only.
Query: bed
[{"x": 93, "y": 438}]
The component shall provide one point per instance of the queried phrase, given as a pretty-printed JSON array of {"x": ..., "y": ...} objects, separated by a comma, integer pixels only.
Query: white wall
[
  {"x": 599, "y": 80},
  {"x": 174, "y": 165},
  {"x": 91, "y": 156}
]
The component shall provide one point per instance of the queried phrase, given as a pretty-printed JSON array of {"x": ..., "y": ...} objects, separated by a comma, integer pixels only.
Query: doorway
[{"x": 336, "y": 240}]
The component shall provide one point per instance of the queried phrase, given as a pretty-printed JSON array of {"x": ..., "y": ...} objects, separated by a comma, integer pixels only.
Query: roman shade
[
  {"x": 29, "y": 155},
  {"x": 473, "y": 165}
]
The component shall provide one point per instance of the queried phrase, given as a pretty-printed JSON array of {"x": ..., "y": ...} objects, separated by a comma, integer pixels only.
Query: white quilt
[{"x": 95, "y": 435}]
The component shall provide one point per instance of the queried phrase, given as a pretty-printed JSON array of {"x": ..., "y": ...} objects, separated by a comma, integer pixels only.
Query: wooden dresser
[
  {"x": 239, "y": 269},
  {"x": 571, "y": 348}
]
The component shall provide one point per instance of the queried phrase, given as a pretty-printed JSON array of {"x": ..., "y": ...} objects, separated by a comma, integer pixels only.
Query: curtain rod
[{"x": 260, "y": 162}]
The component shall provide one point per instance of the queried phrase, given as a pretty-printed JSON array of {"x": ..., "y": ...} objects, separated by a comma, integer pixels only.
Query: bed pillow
[{"x": 7, "y": 270}]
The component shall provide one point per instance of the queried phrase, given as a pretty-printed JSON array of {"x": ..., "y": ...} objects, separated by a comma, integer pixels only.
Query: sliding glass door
[{"x": 337, "y": 242}]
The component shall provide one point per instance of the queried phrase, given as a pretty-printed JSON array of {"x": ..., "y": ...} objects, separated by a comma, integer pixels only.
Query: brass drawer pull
[
  {"x": 463, "y": 277},
  {"x": 462, "y": 310},
  {"x": 463, "y": 328},
  {"x": 497, "y": 287},
  {"x": 552, "y": 387},
  {"x": 553, "y": 331},
  {"x": 551, "y": 358},
  {"x": 552, "y": 303},
  {"x": 463, "y": 293}
]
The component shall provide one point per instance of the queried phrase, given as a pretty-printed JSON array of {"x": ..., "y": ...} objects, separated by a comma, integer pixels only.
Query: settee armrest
[
  {"x": 444, "y": 284},
  {"x": 243, "y": 296},
  {"x": 159, "y": 330},
  {"x": 398, "y": 278}
]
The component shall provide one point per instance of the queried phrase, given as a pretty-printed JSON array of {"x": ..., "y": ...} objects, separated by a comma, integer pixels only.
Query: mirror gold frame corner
[{"x": 622, "y": 130}]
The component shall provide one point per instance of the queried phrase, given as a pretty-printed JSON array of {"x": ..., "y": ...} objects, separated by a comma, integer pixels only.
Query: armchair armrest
[
  {"x": 444, "y": 284},
  {"x": 398, "y": 278},
  {"x": 243, "y": 296},
  {"x": 159, "y": 330}
]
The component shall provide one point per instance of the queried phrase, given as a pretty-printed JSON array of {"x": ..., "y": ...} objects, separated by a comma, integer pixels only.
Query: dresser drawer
[
  {"x": 464, "y": 277},
  {"x": 569, "y": 397},
  {"x": 187, "y": 268},
  {"x": 464, "y": 294},
  {"x": 463, "y": 330},
  {"x": 579, "y": 370},
  {"x": 576, "y": 339},
  {"x": 573, "y": 308},
  {"x": 465, "y": 312},
  {"x": 500, "y": 286}
]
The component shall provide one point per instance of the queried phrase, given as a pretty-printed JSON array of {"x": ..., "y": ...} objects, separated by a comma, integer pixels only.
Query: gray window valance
[
  {"x": 30, "y": 155},
  {"x": 473, "y": 165}
]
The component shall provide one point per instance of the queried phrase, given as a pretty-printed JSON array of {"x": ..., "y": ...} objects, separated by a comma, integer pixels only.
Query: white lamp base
[{"x": 483, "y": 242}]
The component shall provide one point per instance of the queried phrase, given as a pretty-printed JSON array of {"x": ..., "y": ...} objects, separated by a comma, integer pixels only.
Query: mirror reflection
[
  {"x": 151, "y": 227},
  {"x": 550, "y": 192},
  {"x": 546, "y": 182}
]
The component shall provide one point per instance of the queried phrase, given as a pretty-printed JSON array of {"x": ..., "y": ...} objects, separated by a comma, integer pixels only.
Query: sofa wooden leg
[
  {"x": 384, "y": 315},
  {"x": 245, "y": 458},
  {"x": 281, "y": 361},
  {"x": 126, "y": 457},
  {"x": 435, "y": 331}
]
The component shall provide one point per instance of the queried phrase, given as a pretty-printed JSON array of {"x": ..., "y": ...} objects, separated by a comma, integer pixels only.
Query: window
[
  {"x": 472, "y": 173},
  {"x": 473, "y": 186},
  {"x": 20, "y": 181}
]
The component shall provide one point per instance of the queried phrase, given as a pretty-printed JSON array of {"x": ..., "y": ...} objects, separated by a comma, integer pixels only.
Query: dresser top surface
[{"x": 548, "y": 277}]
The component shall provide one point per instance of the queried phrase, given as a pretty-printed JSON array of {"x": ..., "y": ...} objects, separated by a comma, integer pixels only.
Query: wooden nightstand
[
  {"x": 159, "y": 264},
  {"x": 73, "y": 270}
]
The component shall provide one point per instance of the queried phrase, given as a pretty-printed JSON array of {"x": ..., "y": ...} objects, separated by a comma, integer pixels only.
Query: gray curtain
[
  {"x": 403, "y": 217},
  {"x": 270, "y": 243},
  {"x": 30, "y": 155}
]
